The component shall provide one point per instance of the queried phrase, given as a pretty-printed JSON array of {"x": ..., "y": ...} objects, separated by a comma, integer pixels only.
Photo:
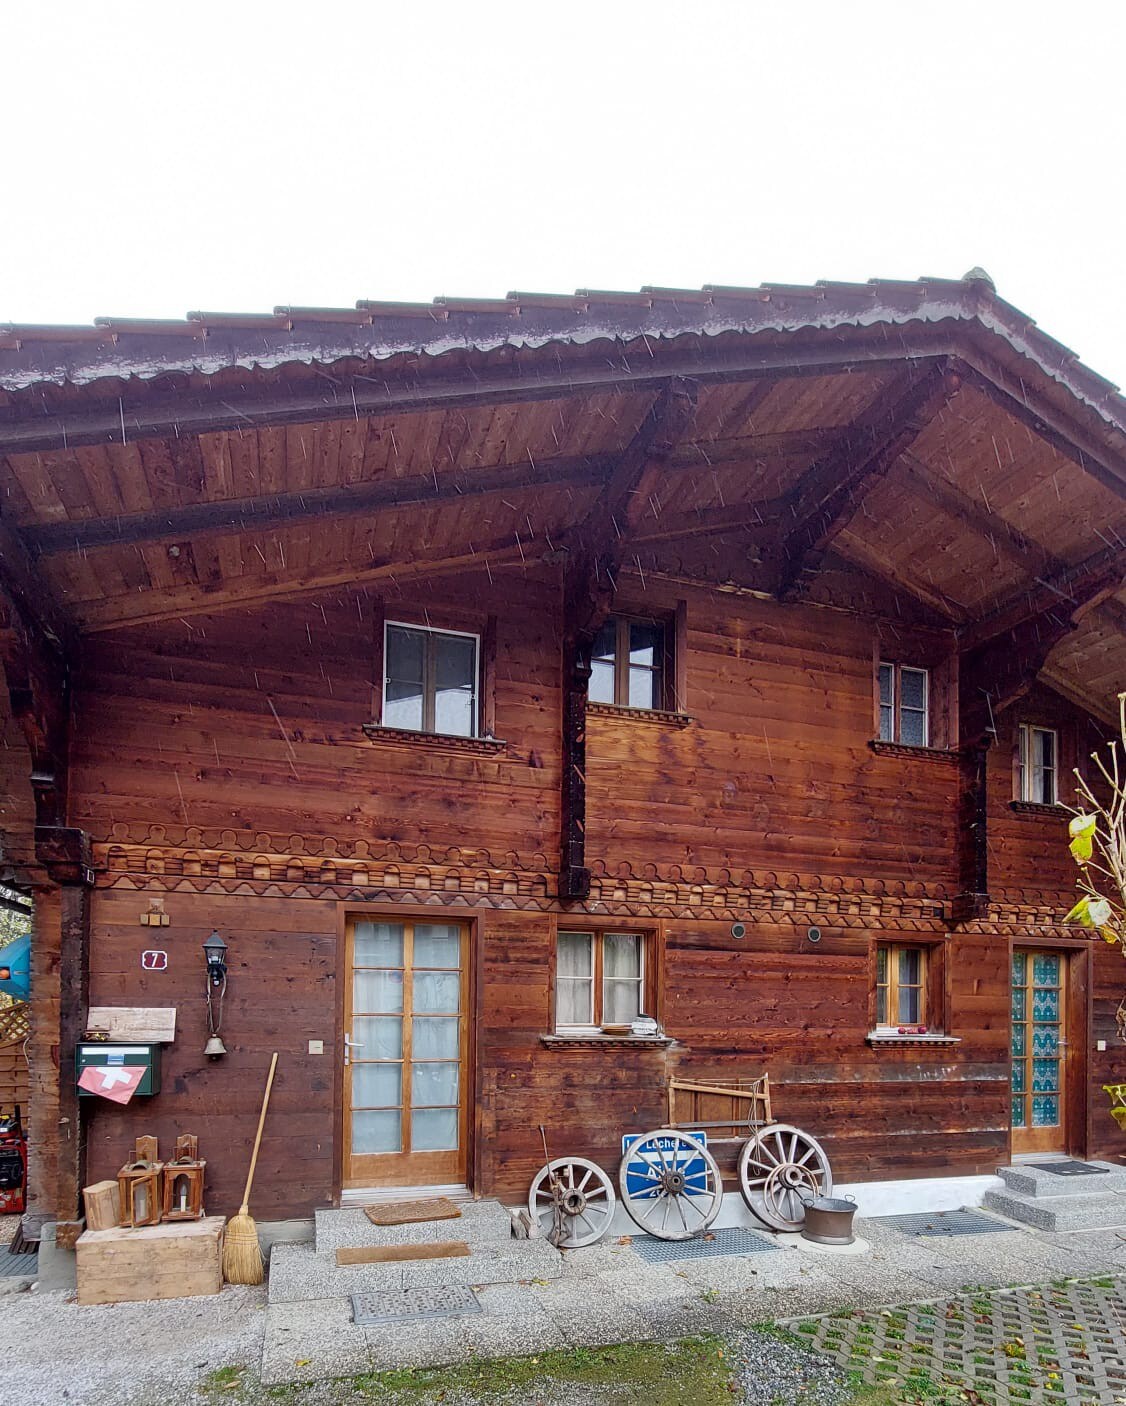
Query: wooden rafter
[{"x": 826, "y": 497}]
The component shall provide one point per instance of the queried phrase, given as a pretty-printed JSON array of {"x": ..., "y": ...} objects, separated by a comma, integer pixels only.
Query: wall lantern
[{"x": 215, "y": 950}]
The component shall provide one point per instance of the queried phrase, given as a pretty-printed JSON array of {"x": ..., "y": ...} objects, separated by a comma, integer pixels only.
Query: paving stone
[
  {"x": 297, "y": 1273},
  {"x": 497, "y": 1336},
  {"x": 1028, "y": 1180},
  {"x": 588, "y": 1315},
  {"x": 480, "y": 1222},
  {"x": 1078, "y": 1212},
  {"x": 306, "y": 1341},
  {"x": 507, "y": 1264},
  {"x": 423, "y": 1342}
]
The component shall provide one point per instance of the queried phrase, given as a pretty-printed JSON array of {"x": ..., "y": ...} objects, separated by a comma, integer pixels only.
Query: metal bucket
[{"x": 828, "y": 1220}]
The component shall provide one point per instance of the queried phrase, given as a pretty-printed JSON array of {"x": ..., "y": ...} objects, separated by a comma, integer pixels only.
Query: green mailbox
[{"x": 109, "y": 1055}]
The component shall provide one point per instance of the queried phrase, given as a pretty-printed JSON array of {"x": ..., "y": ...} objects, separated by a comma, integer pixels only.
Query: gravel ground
[{"x": 774, "y": 1373}]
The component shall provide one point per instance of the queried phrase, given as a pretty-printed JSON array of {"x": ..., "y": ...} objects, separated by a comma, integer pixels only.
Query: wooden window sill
[
  {"x": 1054, "y": 811},
  {"x": 604, "y": 1042},
  {"x": 436, "y": 741},
  {"x": 915, "y": 754},
  {"x": 662, "y": 716},
  {"x": 893, "y": 1039}
]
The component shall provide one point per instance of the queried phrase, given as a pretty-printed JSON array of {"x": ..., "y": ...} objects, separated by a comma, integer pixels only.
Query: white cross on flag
[{"x": 117, "y": 1082}]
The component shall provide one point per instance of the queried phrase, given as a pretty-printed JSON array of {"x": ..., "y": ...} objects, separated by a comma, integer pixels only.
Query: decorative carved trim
[
  {"x": 915, "y": 754},
  {"x": 896, "y": 1041},
  {"x": 433, "y": 741},
  {"x": 1052, "y": 812},
  {"x": 662, "y": 716},
  {"x": 605, "y": 1042}
]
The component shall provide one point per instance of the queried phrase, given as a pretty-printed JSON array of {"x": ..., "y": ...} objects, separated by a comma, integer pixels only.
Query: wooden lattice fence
[{"x": 15, "y": 1084}]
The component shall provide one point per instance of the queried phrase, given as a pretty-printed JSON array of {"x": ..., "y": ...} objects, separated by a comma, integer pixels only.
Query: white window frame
[
  {"x": 598, "y": 976},
  {"x": 432, "y": 630},
  {"x": 897, "y": 704},
  {"x": 1027, "y": 773}
]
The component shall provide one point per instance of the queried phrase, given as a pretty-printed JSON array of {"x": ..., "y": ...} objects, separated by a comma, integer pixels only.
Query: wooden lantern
[
  {"x": 183, "y": 1181},
  {"x": 139, "y": 1185}
]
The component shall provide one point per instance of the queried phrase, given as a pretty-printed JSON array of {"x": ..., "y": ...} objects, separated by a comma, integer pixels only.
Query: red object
[
  {"x": 117, "y": 1082},
  {"x": 13, "y": 1165}
]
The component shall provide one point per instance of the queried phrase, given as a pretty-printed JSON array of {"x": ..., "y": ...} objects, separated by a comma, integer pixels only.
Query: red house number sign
[{"x": 154, "y": 960}]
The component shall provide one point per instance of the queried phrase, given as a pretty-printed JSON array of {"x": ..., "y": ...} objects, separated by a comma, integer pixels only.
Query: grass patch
[{"x": 691, "y": 1372}]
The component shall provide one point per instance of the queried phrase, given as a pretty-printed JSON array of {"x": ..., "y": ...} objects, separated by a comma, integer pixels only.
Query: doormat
[
  {"x": 945, "y": 1223},
  {"x": 733, "y": 1240},
  {"x": 407, "y": 1212},
  {"x": 408, "y": 1305},
  {"x": 1069, "y": 1168},
  {"x": 23, "y": 1266}
]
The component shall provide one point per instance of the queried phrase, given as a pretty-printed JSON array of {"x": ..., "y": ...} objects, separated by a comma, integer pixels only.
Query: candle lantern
[
  {"x": 183, "y": 1181},
  {"x": 139, "y": 1185}
]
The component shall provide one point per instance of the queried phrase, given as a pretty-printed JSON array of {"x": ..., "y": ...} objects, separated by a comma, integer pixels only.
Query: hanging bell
[{"x": 214, "y": 1049}]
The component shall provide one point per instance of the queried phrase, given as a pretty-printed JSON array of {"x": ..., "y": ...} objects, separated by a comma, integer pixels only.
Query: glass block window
[
  {"x": 1038, "y": 765},
  {"x": 904, "y": 694},
  {"x": 430, "y": 680},
  {"x": 901, "y": 985},
  {"x": 1037, "y": 1039},
  {"x": 628, "y": 663},
  {"x": 600, "y": 978}
]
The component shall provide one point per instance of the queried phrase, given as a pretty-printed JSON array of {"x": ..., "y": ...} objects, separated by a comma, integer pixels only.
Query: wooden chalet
[{"x": 486, "y": 673}]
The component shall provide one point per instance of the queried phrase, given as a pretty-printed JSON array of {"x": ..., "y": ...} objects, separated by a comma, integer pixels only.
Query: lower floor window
[
  {"x": 901, "y": 985},
  {"x": 600, "y": 979}
]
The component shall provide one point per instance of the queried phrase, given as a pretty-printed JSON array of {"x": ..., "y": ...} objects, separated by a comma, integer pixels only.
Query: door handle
[{"x": 349, "y": 1046}]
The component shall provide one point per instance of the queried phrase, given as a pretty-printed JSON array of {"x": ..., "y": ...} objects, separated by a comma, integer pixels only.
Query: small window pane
[
  {"x": 437, "y": 991},
  {"x": 887, "y": 725},
  {"x": 434, "y": 1084},
  {"x": 402, "y": 706},
  {"x": 644, "y": 688},
  {"x": 887, "y": 685},
  {"x": 454, "y": 712},
  {"x": 437, "y": 945},
  {"x": 375, "y": 992},
  {"x": 574, "y": 1001},
  {"x": 882, "y": 965},
  {"x": 910, "y": 965},
  {"x": 601, "y": 688},
  {"x": 913, "y": 729},
  {"x": 913, "y": 688},
  {"x": 881, "y": 1005},
  {"x": 379, "y": 945},
  {"x": 377, "y": 1085},
  {"x": 645, "y": 642},
  {"x": 433, "y": 1129},
  {"x": 576, "y": 954},
  {"x": 377, "y": 1132},
  {"x": 455, "y": 667},
  {"x": 621, "y": 954},
  {"x": 909, "y": 1005},
  {"x": 435, "y": 1037},
  {"x": 621, "y": 1000},
  {"x": 606, "y": 642},
  {"x": 406, "y": 650},
  {"x": 378, "y": 1037}
]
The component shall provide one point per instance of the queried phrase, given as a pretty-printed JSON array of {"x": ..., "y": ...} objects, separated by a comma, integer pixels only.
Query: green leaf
[
  {"x": 1081, "y": 913},
  {"x": 1082, "y": 832}
]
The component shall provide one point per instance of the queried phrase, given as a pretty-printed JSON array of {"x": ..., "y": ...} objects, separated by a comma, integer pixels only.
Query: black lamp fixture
[{"x": 215, "y": 950}]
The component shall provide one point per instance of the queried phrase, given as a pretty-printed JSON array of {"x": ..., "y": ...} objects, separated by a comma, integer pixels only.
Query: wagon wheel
[
  {"x": 670, "y": 1184},
  {"x": 572, "y": 1200},
  {"x": 781, "y": 1168}
]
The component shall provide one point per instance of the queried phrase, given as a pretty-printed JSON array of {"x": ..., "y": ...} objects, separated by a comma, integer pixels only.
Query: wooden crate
[{"x": 172, "y": 1261}]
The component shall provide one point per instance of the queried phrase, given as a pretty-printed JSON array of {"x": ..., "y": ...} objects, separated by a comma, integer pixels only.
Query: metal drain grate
[
  {"x": 945, "y": 1223},
  {"x": 1069, "y": 1168},
  {"x": 734, "y": 1240},
  {"x": 407, "y": 1305}
]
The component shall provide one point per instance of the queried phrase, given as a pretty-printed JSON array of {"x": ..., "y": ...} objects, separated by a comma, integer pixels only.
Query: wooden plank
[
  {"x": 395, "y": 1254},
  {"x": 102, "y": 1201},
  {"x": 131, "y": 1024},
  {"x": 181, "y": 1259}
]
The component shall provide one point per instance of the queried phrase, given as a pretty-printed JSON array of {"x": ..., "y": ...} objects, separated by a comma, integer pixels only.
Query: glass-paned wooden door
[
  {"x": 405, "y": 1054},
  {"x": 1039, "y": 1051}
]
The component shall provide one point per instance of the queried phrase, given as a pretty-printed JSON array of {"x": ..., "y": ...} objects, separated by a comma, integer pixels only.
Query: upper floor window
[
  {"x": 904, "y": 705},
  {"x": 628, "y": 664},
  {"x": 430, "y": 680},
  {"x": 901, "y": 985},
  {"x": 601, "y": 978},
  {"x": 1038, "y": 765}
]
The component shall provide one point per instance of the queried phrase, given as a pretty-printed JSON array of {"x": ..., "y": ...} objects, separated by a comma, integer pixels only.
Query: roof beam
[
  {"x": 1066, "y": 596},
  {"x": 118, "y": 420},
  {"x": 620, "y": 503},
  {"x": 284, "y": 509},
  {"x": 826, "y": 497}
]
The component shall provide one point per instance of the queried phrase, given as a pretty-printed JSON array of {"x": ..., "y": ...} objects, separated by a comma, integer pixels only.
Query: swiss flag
[{"x": 117, "y": 1082}]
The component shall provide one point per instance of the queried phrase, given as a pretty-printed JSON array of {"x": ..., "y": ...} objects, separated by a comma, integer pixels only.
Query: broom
[{"x": 242, "y": 1255}]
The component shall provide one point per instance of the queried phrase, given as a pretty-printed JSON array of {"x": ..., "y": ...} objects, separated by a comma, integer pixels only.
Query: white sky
[{"x": 183, "y": 154}]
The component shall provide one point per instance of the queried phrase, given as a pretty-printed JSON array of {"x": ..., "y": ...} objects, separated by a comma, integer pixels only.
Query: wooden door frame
[
  {"x": 1078, "y": 960},
  {"x": 469, "y": 919}
]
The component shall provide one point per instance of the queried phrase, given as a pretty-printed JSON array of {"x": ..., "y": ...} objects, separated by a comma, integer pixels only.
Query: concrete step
[
  {"x": 1033, "y": 1181},
  {"x": 480, "y": 1223},
  {"x": 1080, "y": 1212},
  {"x": 298, "y": 1272}
]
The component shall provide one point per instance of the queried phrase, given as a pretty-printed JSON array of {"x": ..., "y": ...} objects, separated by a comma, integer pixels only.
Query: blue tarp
[{"x": 16, "y": 958}]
